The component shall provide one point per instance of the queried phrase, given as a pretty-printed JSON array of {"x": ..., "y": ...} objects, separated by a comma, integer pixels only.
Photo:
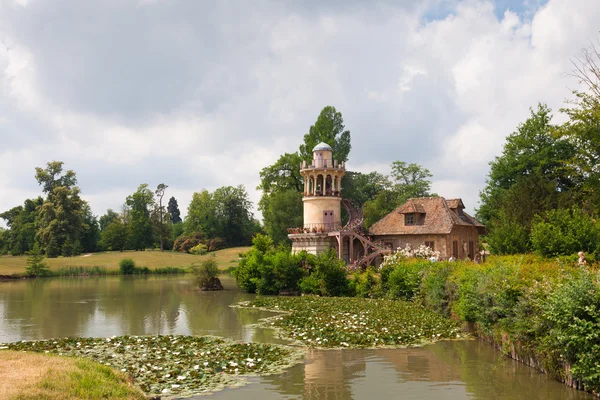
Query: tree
[
  {"x": 235, "y": 222},
  {"x": 329, "y": 128},
  {"x": 281, "y": 209},
  {"x": 90, "y": 236},
  {"x": 528, "y": 178},
  {"x": 52, "y": 176},
  {"x": 173, "y": 210},
  {"x": 361, "y": 188},
  {"x": 21, "y": 221},
  {"x": 407, "y": 181},
  {"x": 201, "y": 215},
  {"x": 61, "y": 222},
  {"x": 107, "y": 218},
  {"x": 140, "y": 204},
  {"x": 115, "y": 235},
  {"x": 161, "y": 228}
]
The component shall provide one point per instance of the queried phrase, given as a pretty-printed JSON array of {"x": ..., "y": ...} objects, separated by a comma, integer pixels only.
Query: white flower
[
  {"x": 180, "y": 377},
  {"x": 196, "y": 366},
  {"x": 205, "y": 363},
  {"x": 165, "y": 390}
]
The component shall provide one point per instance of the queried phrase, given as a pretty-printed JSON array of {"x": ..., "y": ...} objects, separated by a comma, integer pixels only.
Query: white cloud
[{"x": 132, "y": 97}]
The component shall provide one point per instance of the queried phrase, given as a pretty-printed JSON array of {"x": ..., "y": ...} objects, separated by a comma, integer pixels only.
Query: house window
[
  {"x": 409, "y": 219},
  {"x": 431, "y": 245}
]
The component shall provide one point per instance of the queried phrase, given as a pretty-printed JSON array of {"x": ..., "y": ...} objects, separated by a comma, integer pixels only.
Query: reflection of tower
[{"x": 322, "y": 201}]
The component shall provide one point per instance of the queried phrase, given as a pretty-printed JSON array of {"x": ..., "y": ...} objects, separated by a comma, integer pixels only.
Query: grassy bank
[
  {"x": 340, "y": 322},
  {"x": 543, "y": 312},
  {"x": 170, "y": 366},
  {"x": 25, "y": 376},
  {"x": 109, "y": 261}
]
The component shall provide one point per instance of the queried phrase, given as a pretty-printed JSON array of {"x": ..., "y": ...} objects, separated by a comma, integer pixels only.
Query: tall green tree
[
  {"x": 90, "y": 236},
  {"x": 61, "y": 219},
  {"x": 329, "y": 128},
  {"x": 407, "y": 180},
  {"x": 362, "y": 187},
  {"x": 173, "y": 210},
  {"x": 107, "y": 218},
  {"x": 115, "y": 235},
  {"x": 527, "y": 179},
  {"x": 61, "y": 222},
  {"x": 201, "y": 215},
  {"x": 233, "y": 213},
  {"x": 21, "y": 223},
  {"x": 281, "y": 209},
  {"x": 140, "y": 228}
]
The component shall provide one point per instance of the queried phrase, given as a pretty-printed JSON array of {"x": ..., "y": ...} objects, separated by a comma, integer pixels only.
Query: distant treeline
[{"x": 61, "y": 223}]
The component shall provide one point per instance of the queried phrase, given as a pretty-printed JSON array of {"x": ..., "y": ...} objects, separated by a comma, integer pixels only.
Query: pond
[{"x": 107, "y": 306}]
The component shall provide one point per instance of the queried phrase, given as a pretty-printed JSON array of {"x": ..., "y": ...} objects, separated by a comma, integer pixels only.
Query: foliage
[
  {"x": 329, "y": 128},
  {"x": 36, "y": 266},
  {"x": 361, "y": 188},
  {"x": 107, "y": 218},
  {"x": 407, "y": 181},
  {"x": 52, "y": 177},
  {"x": 140, "y": 228},
  {"x": 159, "y": 218},
  {"x": 21, "y": 221},
  {"x": 281, "y": 210},
  {"x": 355, "y": 322},
  {"x": 173, "y": 210},
  {"x": 174, "y": 366},
  {"x": 224, "y": 213},
  {"x": 199, "y": 249},
  {"x": 185, "y": 243},
  {"x": 127, "y": 266},
  {"x": 205, "y": 274},
  {"x": 327, "y": 277},
  {"x": 565, "y": 231},
  {"x": 364, "y": 284},
  {"x": 115, "y": 235}
]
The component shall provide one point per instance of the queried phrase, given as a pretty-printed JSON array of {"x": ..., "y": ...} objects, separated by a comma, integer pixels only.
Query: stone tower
[{"x": 322, "y": 201}]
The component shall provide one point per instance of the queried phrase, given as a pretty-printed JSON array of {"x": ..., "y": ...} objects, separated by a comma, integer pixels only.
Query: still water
[{"x": 100, "y": 307}]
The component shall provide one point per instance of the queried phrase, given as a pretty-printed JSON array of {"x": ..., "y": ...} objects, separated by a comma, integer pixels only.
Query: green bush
[
  {"x": 327, "y": 277},
  {"x": 127, "y": 266},
  {"x": 404, "y": 280},
  {"x": 200, "y": 249},
  {"x": 206, "y": 273},
  {"x": 365, "y": 284},
  {"x": 565, "y": 232}
]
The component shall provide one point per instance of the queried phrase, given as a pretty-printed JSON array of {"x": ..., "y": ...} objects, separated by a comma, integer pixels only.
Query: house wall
[
  {"x": 443, "y": 243},
  {"x": 312, "y": 243},
  {"x": 463, "y": 235},
  {"x": 400, "y": 241}
]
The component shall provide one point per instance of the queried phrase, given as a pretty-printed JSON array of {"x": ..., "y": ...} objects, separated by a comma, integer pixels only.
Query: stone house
[{"x": 436, "y": 222}]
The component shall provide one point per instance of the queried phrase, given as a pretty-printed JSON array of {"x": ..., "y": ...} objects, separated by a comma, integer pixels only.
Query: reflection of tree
[{"x": 47, "y": 308}]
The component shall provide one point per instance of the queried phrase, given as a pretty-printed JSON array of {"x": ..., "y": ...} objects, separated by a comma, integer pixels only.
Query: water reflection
[
  {"x": 445, "y": 370},
  {"x": 98, "y": 307}
]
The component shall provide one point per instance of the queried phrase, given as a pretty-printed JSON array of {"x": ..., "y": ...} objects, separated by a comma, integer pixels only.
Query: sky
[{"x": 204, "y": 94}]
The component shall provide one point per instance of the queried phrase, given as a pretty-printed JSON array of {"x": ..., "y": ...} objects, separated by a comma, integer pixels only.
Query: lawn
[{"x": 110, "y": 259}]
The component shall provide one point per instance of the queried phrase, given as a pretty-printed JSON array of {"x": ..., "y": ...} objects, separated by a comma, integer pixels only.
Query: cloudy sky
[{"x": 201, "y": 94}]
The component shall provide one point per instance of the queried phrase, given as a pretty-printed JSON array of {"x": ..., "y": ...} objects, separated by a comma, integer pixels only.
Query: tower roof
[{"x": 322, "y": 146}]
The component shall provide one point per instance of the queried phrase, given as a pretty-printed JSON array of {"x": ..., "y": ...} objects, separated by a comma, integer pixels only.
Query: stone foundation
[{"x": 312, "y": 243}]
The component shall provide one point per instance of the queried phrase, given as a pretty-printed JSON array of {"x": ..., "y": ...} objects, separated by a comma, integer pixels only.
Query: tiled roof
[{"x": 440, "y": 218}]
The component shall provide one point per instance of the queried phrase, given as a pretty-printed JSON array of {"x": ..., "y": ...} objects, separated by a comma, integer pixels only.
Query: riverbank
[
  {"x": 173, "y": 366},
  {"x": 26, "y": 376},
  {"x": 545, "y": 313}
]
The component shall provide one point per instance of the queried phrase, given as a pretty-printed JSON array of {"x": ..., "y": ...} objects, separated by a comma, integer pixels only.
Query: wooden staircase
[{"x": 354, "y": 230}]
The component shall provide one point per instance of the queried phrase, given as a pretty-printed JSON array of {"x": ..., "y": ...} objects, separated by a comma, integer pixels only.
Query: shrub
[
  {"x": 215, "y": 244},
  {"x": 185, "y": 242},
  {"x": 127, "y": 266},
  {"x": 199, "y": 250},
  {"x": 36, "y": 265},
  {"x": 404, "y": 280},
  {"x": 328, "y": 275},
  {"x": 365, "y": 284},
  {"x": 205, "y": 275}
]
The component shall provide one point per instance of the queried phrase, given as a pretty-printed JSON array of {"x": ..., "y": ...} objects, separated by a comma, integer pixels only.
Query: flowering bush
[{"x": 408, "y": 252}]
